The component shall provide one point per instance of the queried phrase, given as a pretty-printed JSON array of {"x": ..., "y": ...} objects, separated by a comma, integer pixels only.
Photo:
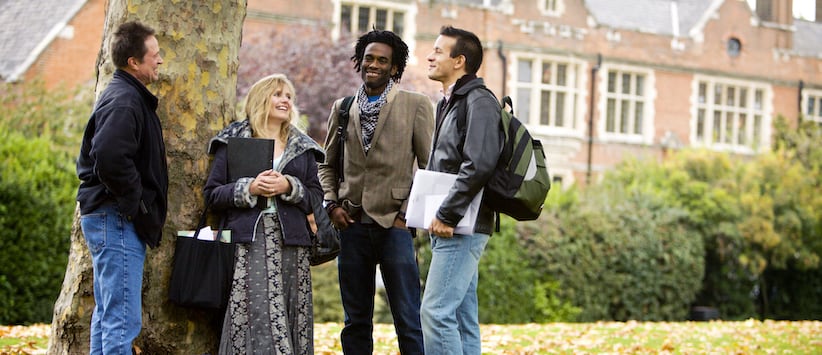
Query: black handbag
[
  {"x": 202, "y": 270},
  {"x": 325, "y": 243}
]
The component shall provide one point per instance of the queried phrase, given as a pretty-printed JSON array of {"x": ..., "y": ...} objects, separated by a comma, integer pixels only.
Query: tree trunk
[{"x": 199, "y": 42}]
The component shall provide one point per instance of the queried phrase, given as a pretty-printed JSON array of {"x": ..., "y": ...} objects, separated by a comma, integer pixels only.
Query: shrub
[
  {"x": 326, "y": 292},
  {"x": 793, "y": 295},
  {"x": 758, "y": 217},
  {"x": 40, "y": 130},
  {"x": 549, "y": 307},
  {"x": 506, "y": 280},
  {"x": 37, "y": 187},
  {"x": 618, "y": 255}
]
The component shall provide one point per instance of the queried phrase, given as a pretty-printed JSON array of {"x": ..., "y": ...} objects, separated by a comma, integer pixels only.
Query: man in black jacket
[
  {"x": 467, "y": 142},
  {"x": 123, "y": 193}
]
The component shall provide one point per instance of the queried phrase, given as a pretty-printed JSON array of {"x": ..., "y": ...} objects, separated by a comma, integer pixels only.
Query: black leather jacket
[{"x": 469, "y": 148}]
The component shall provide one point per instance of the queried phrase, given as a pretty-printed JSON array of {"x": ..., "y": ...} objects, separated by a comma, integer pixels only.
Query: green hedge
[
  {"x": 618, "y": 255},
  {"x": 505, "y": 289},
  {"x": 37, "y": 189},
  {"x": 758, "y": 216},
  {"x": 326, "y": 290}
]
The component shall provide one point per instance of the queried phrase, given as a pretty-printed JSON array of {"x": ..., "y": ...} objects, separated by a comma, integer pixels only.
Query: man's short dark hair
[
  {"x": 129, "y": 41},
  {"x": 468, "y": 45},
  {"x": 399, "y": 50}
]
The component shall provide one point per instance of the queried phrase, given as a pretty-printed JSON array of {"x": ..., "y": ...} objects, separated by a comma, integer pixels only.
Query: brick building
[
  {"x": 53, "y": 40},
  {"x": 596, "y": 80},
  {"x": 630, "y": 77}
]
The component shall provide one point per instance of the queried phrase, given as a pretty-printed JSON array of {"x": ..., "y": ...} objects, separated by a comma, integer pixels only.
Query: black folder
[{"x": 247, "y": 157}]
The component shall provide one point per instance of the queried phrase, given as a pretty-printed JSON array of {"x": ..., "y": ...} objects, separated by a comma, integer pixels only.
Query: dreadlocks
[{"x": 399, "y": 50}]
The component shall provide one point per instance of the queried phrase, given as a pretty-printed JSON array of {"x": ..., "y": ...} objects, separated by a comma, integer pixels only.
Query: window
[
  {"x": 626, "y": 106},
  {"x": 358, "y": 18},
  {"x": 731, "y": 115},
  {"x": 547, "y": 93},
  {"x": 734, "y": 47},
  {"x": 812, "y": 105},
  {"x": 551, "y": 7}
]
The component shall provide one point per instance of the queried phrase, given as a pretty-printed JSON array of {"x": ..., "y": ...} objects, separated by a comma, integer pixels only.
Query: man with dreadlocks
[{"x": 388, "y": 132}]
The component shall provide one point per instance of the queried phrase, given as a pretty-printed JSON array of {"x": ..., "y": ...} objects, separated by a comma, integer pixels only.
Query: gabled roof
[
  {"x": 807, "y": 40},
  {"x": 26, "y": 29},
  {"x": 662, "y": 17},
  {"x": 686, "y": 18}
]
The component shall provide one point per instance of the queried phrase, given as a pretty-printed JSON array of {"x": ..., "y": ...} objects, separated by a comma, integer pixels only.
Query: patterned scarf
[{"x": 370, "y": 112}]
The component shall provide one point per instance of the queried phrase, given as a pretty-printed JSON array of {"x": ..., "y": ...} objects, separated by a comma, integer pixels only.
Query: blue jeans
[
  {"x": 117, "y": 256},
  {"x": 362, "y": 247},
  {"x": 450, "y": 311}
]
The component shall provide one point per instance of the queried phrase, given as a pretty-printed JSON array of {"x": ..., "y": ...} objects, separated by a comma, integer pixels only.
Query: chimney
[
  {"x": 819, "y": 11},
  {"x": 778, "y": 14},
  {"x": 777, "y": 11},
  {"x": 764, "y": 9}
]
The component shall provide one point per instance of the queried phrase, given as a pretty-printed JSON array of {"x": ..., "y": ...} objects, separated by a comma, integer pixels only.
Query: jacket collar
[
  {"x": 461, "y": 89},
  {"x": 129, "y": 79},
  {"x": 467, "y": 83},
  {"x": 300, "y": 141},
  {"x": 234, "y": 129}
]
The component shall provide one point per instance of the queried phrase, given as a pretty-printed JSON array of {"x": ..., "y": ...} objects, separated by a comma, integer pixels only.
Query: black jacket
[
  {"x": 469, "y": 147},
  {"x": 123, "y": 157},
  {"x": 299, "y": 165}
]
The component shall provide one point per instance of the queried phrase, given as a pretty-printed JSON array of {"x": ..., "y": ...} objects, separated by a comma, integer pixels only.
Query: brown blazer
[{"x": 381, "y": 181}]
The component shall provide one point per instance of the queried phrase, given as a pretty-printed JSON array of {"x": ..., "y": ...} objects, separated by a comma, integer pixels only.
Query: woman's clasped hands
[{"x": 269, "y": 183}]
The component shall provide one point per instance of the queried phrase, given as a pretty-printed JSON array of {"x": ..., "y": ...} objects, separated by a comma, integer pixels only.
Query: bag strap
[
  {"x": 462, "y": 119},
  {"x": 505, "y": 151},
  {"x": 202, "y": 223},
  {"x": 342, "y": 135}
]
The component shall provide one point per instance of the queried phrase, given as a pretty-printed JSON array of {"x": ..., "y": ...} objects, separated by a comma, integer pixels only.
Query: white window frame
[
  {"x": 736, "y": 112},
  {"x": 576, "y": 95},
  {"x": 409, "y": 26},
  {"x": 647, "y": 98},
  {"x": 554, "y": 8},
  {"x": 814, "y": 95}
]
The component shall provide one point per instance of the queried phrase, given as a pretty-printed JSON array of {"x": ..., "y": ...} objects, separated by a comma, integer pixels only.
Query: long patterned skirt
[{"x": 269, "y": 310}]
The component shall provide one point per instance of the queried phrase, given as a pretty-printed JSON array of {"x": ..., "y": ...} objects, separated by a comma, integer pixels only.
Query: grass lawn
[{"x": 746, "y": 337}]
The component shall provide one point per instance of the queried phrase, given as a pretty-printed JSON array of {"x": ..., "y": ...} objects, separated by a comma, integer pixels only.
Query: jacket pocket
[
  {"x": 400, "y": 193},
  {"x": 146, "y": 203},
  {"x": 149, "y": 220}
]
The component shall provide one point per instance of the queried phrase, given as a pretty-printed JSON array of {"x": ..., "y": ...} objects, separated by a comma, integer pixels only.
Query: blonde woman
[{"x": 269, "y": 310}]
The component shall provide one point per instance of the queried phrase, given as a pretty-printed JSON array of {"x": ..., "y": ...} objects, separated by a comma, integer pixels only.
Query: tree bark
[{"x": 199, "y": 42}]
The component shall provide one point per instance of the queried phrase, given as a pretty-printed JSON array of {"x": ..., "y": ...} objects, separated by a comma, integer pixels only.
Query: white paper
[
  {"x": 206, "y": 233},
  {"x": 427, "y": 194}
]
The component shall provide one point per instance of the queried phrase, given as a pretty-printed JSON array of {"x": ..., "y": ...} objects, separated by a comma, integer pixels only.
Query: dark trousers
[{"x": 363, "y": 246}]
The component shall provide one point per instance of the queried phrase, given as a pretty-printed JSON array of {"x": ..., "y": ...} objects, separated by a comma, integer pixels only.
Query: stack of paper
[{"x": 427, "y": 194}]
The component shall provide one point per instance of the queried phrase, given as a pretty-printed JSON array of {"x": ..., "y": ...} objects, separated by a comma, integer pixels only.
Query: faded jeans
[
  {"x": 450, "y": 311},
  {"x": 117, "y": 256}
]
